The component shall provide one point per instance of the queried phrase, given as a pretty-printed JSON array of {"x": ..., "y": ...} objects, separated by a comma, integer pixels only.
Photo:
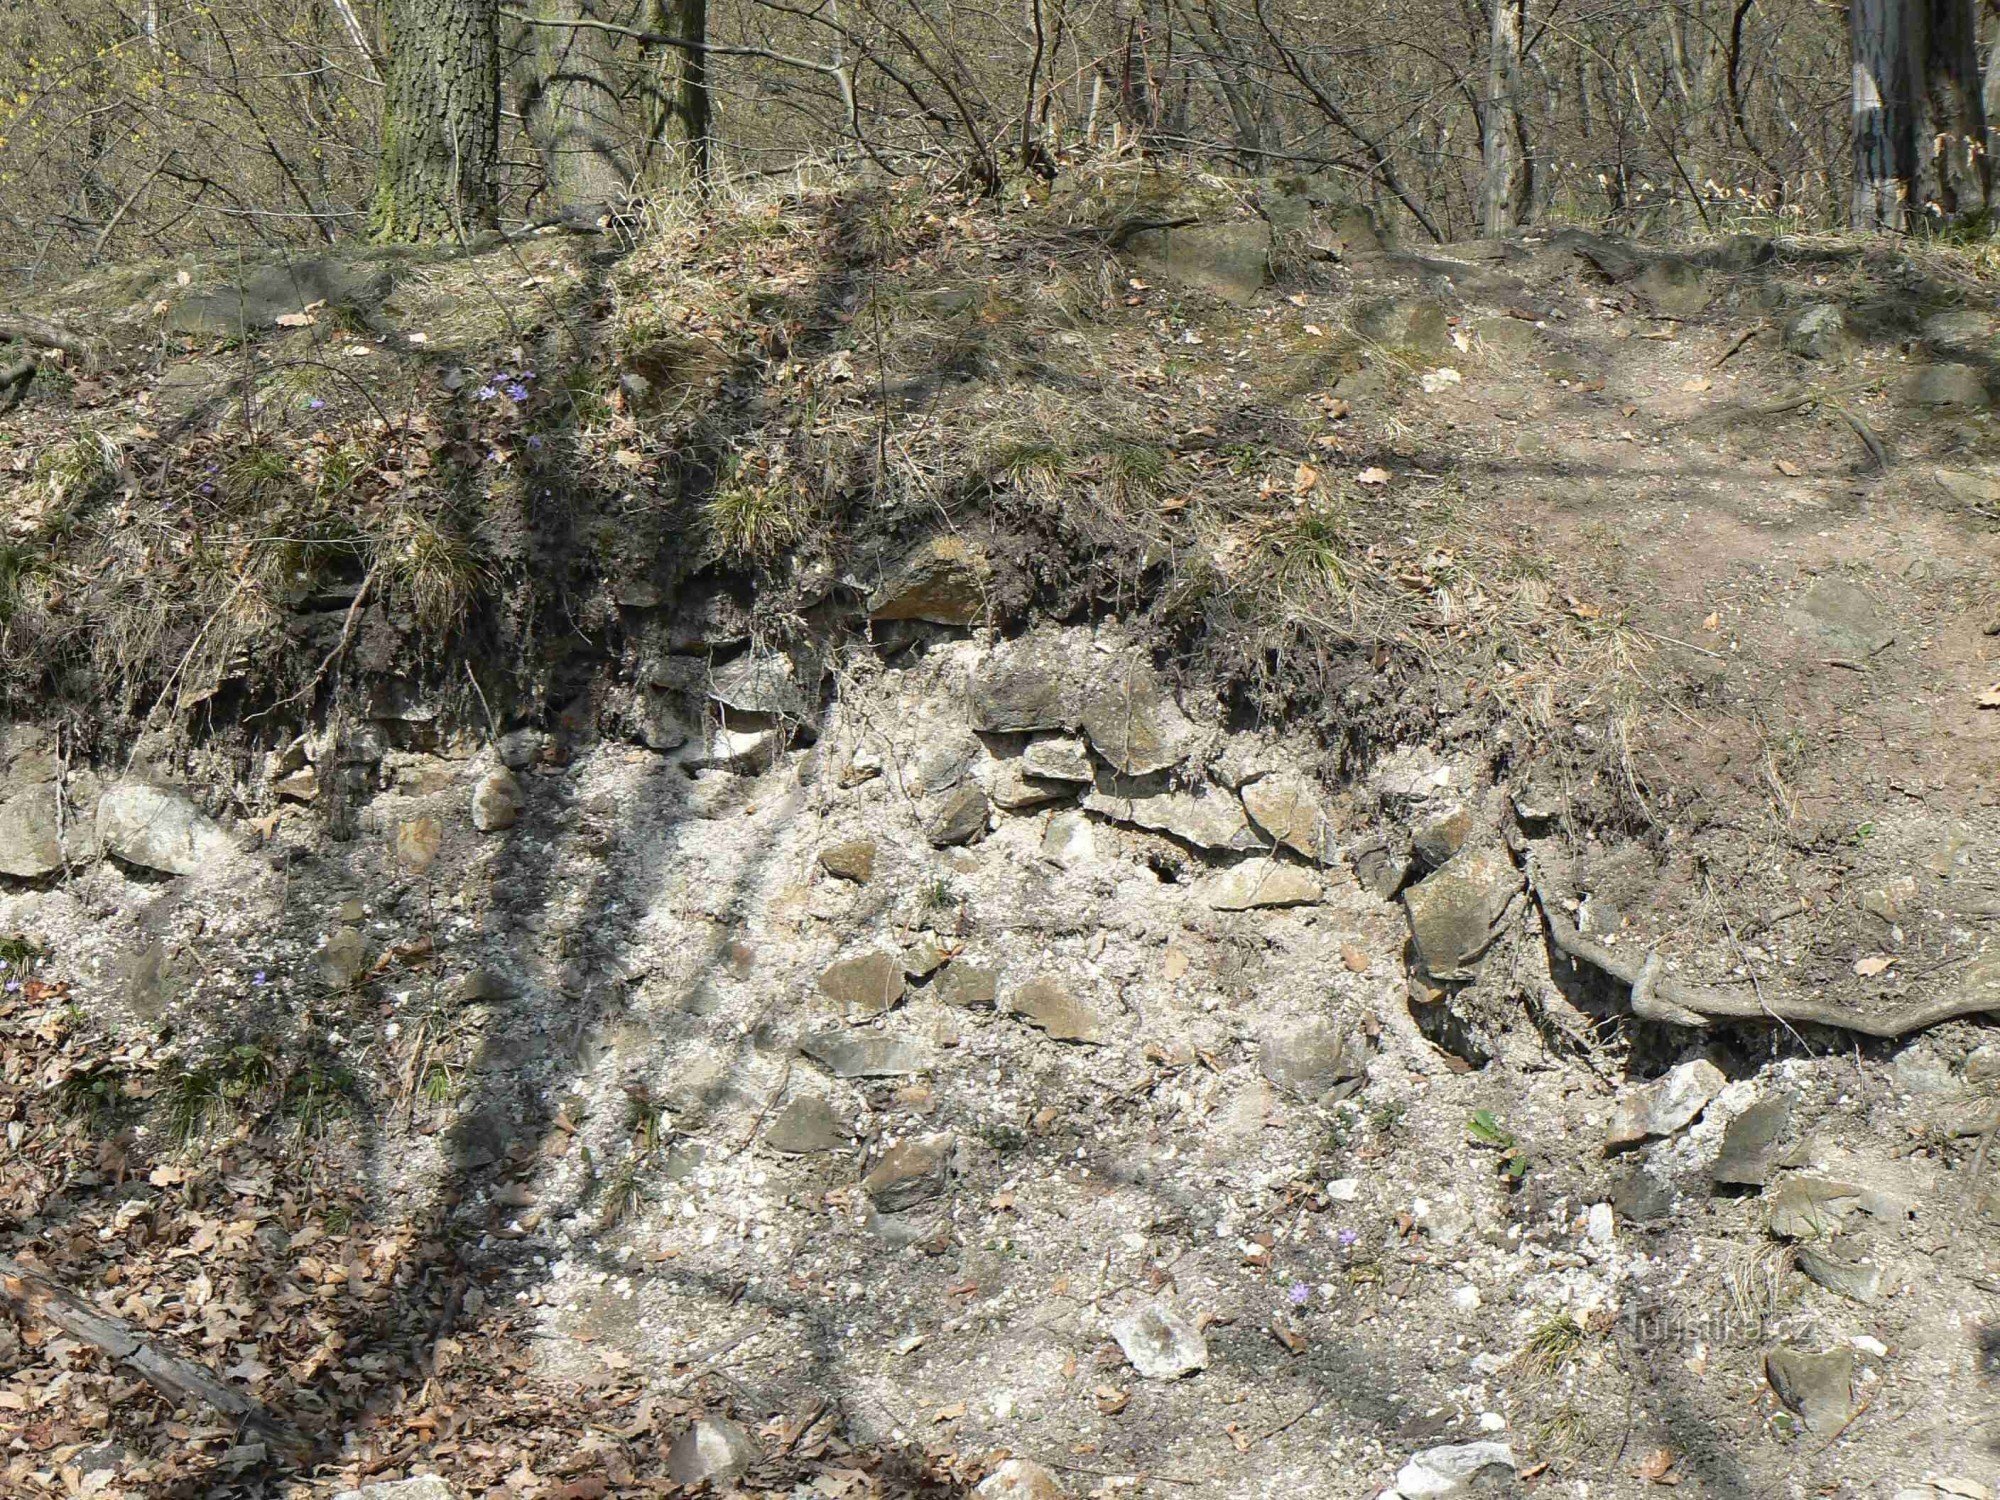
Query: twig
[
  {"x": 347, "y": 627},
  {"x": 1741, "y": 339}
]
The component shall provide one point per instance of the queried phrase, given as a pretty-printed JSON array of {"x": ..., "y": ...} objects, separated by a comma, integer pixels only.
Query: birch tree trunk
[{"x": 440, "y": 121}]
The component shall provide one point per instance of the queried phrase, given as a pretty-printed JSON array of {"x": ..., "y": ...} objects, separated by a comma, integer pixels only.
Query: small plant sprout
[{"x": 1487, "y": 1131}]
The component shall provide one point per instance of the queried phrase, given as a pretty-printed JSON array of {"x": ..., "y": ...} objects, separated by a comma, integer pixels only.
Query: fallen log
[
  {"x": 42, "y": 334},
  {"x": 182, "y": 1381}
]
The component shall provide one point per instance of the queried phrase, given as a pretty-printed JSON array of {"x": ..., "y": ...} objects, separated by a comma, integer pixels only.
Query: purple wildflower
[
  {"x": 315, "y": 404},
  {"x": 1300, "y": 1293},
  {"x": 485, "y": 393},
  {"x": 517, "y": 392},
  {"x": 1348, "y": 1236},
  {"x": 258, "y": 977}
]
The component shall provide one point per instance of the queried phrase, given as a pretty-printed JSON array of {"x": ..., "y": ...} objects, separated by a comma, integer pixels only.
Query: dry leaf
[
  {"x": 295, "y": 320},
  {"x": 1372, "y": 476},
  {"x": 1991, "y": 697},
  {"x": 1111, "y": 1400},
  {"x": 1174, "y": 964},
  {"x": 1653, "y": 1467},
  {"x": 1713, "y": 622},
  {"x": 1697, "y": 384},
  {"x": 417, "y": 844},
  {"x": 949, "y": 1413},
  {"x": 1236, "y": 1436},
  {"x": 1867, "y": 968},
  {"x": 1786, "y": 466},
  {"x": 1354, "y": 958}
]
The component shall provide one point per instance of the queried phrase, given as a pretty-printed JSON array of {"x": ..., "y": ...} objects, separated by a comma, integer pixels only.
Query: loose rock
[
  {"x": 1665, "y": 1106},
  {"x": 425, "y": 1487},
  {"x": 1048, "y": 1004},
  {"x": 873, "y": 1055},
  {"x": 1750, "y": 1143},
  {"x": 755, "y": 684},
  {"x": 1018, "y": 1479},
  {"x": 1455, "y": 912},
  {"x": 1161, "y": 1341},
  {"x": 967, "y": 985},
  {"x": 713, "y": 1451},
  {"x": 853, "y": 860},
  {"x": 909, "y": 1174},
  {"x": 497, "y": 801},
  {"x": 807, "y": 1125},
  {"x": 960, "y": 820},
  {"x": 944, "y": 581},
  {"x": 864, "y": 986},
  {"x": 1069, "y": 841},
  {"x": 1057, "y": 757},
  {"x": 1453, "y": 1469},
  {"x": 159, "y": 829},
  {"x": 1858, "y": 1280},
  {"x": 1819, "y": 1387},
  {"x": 30, "y": 834},
  {"x": 344, "y": 958},
  {"x": 1817, "y": 331},
  {"x": 1209, "y": 818},
  {"x": 1259, "y": 883},
  {"x": 1312, "y": 1061},
  {"x": 1287, "y": 808}
]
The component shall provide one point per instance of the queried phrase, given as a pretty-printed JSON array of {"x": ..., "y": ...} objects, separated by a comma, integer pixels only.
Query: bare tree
[
  {"x": 1920, "y": 146},
  {"x": 440, "y": 121}
]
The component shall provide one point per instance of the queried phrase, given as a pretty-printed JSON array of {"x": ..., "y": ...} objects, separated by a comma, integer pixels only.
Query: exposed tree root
[
  {"x": 1657, "y": 997},
  {"x": 181, "y": 1381}
]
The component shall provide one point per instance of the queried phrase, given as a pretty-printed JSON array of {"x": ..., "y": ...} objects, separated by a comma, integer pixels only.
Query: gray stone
[
  {"x": 300, "y": 786},
  {"x": 30, "y": 834},
  {"x": 1454, "y": 1469},
  {"x": 1982, "y": 1064},
  {"x": 1017, "y": 792},
  {"x": 713, "y": 1451},
  {"x": 807, "y": 1125},
  {"x": 852, "y": 859},
  {"x": 1847, "y": 615},
  {"x": 1026, "y": 684},
  {"x": 1441, "y": 835},
  {"x": 1231, "y": 259},
  {"x": 1959, "y": 333},
  {"x": 1858, "y": 1280},
  {"x": 1750, "y": 1144},
  {"x": 1209, "y": 817},
  {"x": 1128, "y": 717},
  {"x": 1312, "y": 1061},
  {"x": 960, "y": 819},
  {"x": 943, "y": 581},
  {"x": 1019, "y": 1479},
  {"x": 1816, "y": 331},
  {"x": 1667, "y": 1104},
  {"x": 1947, "y": 384},
  {"x": 864, "y": 986},
  {"x": 911, "y": 1173},
  {"x": 1819, "y": 1387},
  {"x": 520, "y": 748},
  {"x": 1403, "y": 323},
  {"x": 1674, "y": 288},
  {"x": 159, "y": 829},
  {"x": 868, "y": 1055},
  {"x": 497, "y": 801},
  {"x": 1287, "y": 809},
  {"x": 1161, "y": 1341},
  {"x": 343, "y": 958},
  {"x": 759, "y": 684},
  {"x": 1047, "y": 1004},
  {"x": 739, "y": 751},
  {"x": 1810, "y": 1208},
  {"x": 1057, "y": 757},
  {"x": 1259, "y": 883},
  {"x": 1069, "y": 841},
  {"x": 424, "y": 1487},
  {"x": 1382, "y": 870},
  {"x": 967, "y": 985},
  {"x": 1455, "y": 911}
]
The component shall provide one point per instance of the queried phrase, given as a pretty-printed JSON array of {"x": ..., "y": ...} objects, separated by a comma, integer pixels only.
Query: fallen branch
[
  {"x": 1656, "y": 997},
  {"x": 15, "y": 380},
  {"x": 181, "y": 1381},
  {"x": 45, "y": 335}
]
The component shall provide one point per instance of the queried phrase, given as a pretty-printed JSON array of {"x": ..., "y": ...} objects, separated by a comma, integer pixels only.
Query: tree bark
[
  {"x": 683, "y": 129},
  {"x": 1920, "y": 137},
  {"x": 573, "y": 106},
  {"x": 440, "y": 121},
  {"x": 1498, "y": 127}
]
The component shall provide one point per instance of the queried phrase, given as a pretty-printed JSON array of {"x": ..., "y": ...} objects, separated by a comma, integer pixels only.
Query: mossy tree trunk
[
  {"x": 574, "y": 105},
  {"x": 684, "y": 123},
  {"x": 440, "y": 121},
  {"x": 1920, "y": 137}
]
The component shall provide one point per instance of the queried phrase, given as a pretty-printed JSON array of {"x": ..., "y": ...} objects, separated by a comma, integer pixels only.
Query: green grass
[
  {"x": 96, "y": 1095},
  {"x": 1555, "y": 1345},
  {"x": 430, "y": 560}
]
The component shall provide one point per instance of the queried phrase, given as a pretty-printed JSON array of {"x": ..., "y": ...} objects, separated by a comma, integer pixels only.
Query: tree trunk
[
  {"x": 1497, "y": 126},
  {"x": 571, "y": 101},
  {"x": 440, "y": 121},
  {"x": 682, "y": 130},
  {"x": 1919, "y": 118}
]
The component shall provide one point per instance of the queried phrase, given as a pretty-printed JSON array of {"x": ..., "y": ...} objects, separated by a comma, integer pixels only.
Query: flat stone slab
[
  {"x": 848, "y": 1054},
  {"x": 1161, "y": 1341}
]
